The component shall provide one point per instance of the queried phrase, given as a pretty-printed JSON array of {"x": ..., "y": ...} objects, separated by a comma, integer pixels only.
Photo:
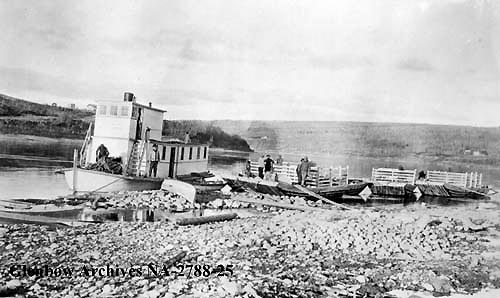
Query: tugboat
[{"x": 129, "y": 131}]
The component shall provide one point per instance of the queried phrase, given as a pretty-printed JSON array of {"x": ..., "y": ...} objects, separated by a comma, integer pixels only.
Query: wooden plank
[
  {"x": 276, "y": 204},
  {"x": 319, "y": 197}
]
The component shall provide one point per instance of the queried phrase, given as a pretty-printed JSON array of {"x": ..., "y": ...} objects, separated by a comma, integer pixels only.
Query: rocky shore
[{"x": 366, "y": 252}]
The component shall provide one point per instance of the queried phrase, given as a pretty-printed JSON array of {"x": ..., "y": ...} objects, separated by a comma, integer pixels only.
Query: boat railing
[
  {"x": 85, "y": 147},
  {"x": 471, "y": 180},
  {"x": 318, "y": 176},
  {"x": 388, "y": 175}
]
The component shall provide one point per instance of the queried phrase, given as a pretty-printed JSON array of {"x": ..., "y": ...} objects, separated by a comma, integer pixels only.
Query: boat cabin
[{"x": 129, "y": 130}]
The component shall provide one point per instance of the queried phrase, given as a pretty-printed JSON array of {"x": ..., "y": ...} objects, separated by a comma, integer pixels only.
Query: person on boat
[
  {"x": 299, "y": 171},
  {"x": 101, "y": 153},
  {"x": 268, "y": 167},
  {"x": 248, "y": 168},
  {"x": 154, "y": 159},
  {"x": 304, "y": 168},
  {"x": 187, "y": 138},
  {"x": 261, "y": 167},
  {"x": 279, "y": 160}
]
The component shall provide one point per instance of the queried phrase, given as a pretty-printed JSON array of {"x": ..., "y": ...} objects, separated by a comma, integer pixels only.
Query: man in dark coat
[
  {"x": 268, "y": 167},
  {"x": 299, "y": 171},
  {"x": 101, "y": 153}
]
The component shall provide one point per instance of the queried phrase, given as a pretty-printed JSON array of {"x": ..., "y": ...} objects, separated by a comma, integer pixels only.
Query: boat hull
[
  {"x": 16, "y": 218},
  {"x": 94, "y": 181},
  {"x": 209, "y": 186},
  {"x": 57, "y": 212}
]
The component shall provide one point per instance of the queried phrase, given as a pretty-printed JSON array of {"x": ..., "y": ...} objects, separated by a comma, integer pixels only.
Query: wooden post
[
  {"x": 75, "y": 160},
  {"x": 347, "y": 175}
]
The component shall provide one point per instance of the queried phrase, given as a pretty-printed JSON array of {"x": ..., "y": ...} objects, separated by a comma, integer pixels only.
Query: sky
[{"x": 418, "y": 61}]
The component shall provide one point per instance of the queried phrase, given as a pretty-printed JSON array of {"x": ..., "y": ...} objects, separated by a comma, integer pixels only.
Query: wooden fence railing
[{"x": 318, "y": 176}]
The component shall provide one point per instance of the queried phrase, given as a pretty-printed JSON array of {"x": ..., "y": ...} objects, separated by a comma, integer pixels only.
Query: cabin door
[
  {"x": 138, "y": 128},
  {"x": 171, "y": 166}
]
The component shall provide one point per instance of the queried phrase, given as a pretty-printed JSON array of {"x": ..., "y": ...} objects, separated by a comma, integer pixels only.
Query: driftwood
[
  {"x": 171, "y": 262},
  {"x": 205, "y": 219}
]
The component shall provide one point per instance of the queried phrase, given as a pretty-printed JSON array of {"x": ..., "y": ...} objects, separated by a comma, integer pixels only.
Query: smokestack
[{"x": 128, "y": 96}]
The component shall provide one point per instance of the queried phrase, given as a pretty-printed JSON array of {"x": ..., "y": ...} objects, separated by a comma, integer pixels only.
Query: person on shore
[
  {"x": 187, "y": 138},
  {"x": 261, "y": 167},
  {"x": 304, "y": 168},
  {"x": 268, "y": 167},
  {"x": 101, "y": 153},
  {"x": 153, "y": 161},
  {"x": 248, "y": 168},
  {"x": 299, "y": 171}
]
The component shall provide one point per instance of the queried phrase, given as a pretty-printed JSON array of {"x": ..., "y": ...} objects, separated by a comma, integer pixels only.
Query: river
[{"x": 28, "y": 164}]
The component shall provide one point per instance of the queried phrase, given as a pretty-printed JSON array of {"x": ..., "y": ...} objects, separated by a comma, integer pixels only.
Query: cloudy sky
[{"x": 424, "y": 61}]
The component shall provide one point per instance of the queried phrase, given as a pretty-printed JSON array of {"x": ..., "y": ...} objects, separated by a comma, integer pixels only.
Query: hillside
[
  {"x": 204, "y": 132},
  {"x": 370, "y": 139},
  {"x": 18, "y": 116},
  {"x": 15, "y": 107}
]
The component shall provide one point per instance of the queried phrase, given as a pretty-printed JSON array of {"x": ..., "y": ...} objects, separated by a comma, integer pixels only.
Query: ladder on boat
[
  {"x": 137, "y": 161},
  {"x": 85, "y": 147}
]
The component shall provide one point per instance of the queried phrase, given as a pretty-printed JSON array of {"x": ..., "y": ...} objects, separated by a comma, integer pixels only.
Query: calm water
[
  {"x": 31, "y": 183},
  {"x": 27, "y": 166}
]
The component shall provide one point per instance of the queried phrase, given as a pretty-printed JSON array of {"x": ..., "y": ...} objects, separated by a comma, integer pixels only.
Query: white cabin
[{"x": 129, "y": 130}]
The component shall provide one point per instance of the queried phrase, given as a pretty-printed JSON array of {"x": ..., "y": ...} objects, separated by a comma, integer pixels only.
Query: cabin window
[
  {"x": 124, "y": 111},
  {"x": 164, "y": 152},
  {"x": 204, "y": 152},
  {"x": 198, "y": 153},
  {"x": 113, "y": 110},
  {"x": 182, "y": 153},
  {"x": 102, "y": 110},
  {"x": 190, "y": 153}
]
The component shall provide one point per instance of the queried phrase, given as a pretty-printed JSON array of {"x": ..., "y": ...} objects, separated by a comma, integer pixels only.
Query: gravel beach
[{"x": 366, "y": 252}]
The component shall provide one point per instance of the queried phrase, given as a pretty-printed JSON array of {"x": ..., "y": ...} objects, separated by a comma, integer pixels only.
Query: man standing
[
  {"x": 261, "y": 167},
  {"x": 154, "y": 158},
  {"x": 299, "y": 171},
  {"x": 304, "y": 168},
  {"x": 279, "y": 160},
  {"x": 248, "y": 168},
  {"x": 268, "y": 167}
]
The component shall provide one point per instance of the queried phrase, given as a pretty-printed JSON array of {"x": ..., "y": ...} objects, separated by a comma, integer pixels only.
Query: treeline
[
  {"x": 60, "y": 127},
  {"x": 14, "y": 107},
  {"x": 204, "y": 132}
]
